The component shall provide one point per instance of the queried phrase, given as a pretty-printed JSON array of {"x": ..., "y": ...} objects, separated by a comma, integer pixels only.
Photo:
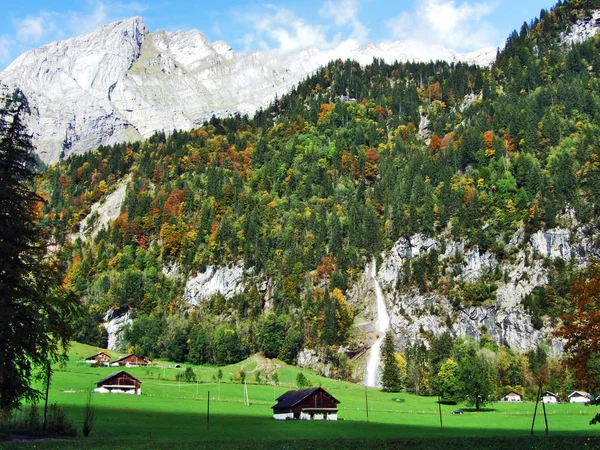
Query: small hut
[
  {"x": 580, "y": 397},
  {"x": 307, "y": 404},
  {"x": 119, "y": 383},
  {"x": 101, "y": 358},
  {"x": 513, "y": 396},
  {"x": 130, "y": 361}
]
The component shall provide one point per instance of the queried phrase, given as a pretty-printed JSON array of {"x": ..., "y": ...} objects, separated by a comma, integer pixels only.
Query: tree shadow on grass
[
  {"x": 481, "y": 410},
  {"x": 252, "y": 428}
]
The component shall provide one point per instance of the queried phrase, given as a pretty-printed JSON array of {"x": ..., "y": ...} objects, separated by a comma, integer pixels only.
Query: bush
[
  {"x": 189, "y": 375},
  {"x": 302, "y": 381},
  {"x": 58, "y": 423}
]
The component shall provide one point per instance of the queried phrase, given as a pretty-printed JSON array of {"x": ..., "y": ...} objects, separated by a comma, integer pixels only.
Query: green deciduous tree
[
  {"x": 36, "y": 310},
  {"x": 447, "y": 384},
  {"x": 475, "y": 376},
  {"x": 227, "y": 346},
  {"x": 271, "y": 336}
]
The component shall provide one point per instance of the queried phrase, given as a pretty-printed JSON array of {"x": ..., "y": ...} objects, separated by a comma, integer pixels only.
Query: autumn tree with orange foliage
[
  {"x": 581, "y": 327},
  {"x": 434, "y": 91}
]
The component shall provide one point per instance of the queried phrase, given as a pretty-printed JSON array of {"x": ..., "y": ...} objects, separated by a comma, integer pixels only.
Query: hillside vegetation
[{"x": 303, "y": 194}]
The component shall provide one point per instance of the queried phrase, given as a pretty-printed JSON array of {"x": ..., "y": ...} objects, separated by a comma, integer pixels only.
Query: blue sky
[{"x": 463, "y": 25}]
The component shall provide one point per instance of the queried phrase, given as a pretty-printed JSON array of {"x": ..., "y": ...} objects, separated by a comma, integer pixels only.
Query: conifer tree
[
  {"x": 391, "y": 380},
  {"x": 36, "y": 311}
]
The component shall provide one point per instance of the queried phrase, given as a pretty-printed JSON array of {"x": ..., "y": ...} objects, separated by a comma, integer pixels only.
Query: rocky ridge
[{"x": 123, "y": 83}]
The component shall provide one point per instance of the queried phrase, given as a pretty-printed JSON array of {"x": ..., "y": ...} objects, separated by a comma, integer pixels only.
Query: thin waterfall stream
[{"x": 382, "y": 325}]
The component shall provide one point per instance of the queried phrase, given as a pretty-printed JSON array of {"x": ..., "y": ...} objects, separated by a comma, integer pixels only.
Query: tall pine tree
[{"x": 37, "y": 312}]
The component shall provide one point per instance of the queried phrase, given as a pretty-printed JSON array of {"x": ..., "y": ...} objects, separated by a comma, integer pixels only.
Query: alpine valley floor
[{"x": 173, "y": 415}]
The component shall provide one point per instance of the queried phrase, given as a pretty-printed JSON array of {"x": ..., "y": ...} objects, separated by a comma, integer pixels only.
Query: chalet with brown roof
[
  {"x": 101, "y": 358},
  {"x": 550, "y": 397},
  {"x": 119, "y": 383},
  {"x": 513, "y": 396},
  {"x": 580, "y": 397},
  {"x": 130, "y": 361},
  {"x": 307, "y": 404}
]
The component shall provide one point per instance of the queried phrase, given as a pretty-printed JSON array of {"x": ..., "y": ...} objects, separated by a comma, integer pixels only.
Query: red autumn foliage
[
  {"x": 581, "y": 325},
  {"x": 176, "y": 197},
  {"x": 372, "y": 157},
  {"x": 326, "y": 268},
  {"x": 435, "y": 144},
  {"x": 434, "y": 91},
  {"x": 488, "y": 137}
]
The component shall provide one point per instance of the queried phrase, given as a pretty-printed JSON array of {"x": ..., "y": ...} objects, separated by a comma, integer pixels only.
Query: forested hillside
[{"x": 308, "y": 191}]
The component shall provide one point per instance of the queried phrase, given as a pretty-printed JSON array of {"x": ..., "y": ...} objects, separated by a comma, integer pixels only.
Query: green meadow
[{"x": 171, "y": 414}]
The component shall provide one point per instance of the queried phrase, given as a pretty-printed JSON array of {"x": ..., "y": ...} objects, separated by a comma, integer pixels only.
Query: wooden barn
[
  {"x": 101, "y": 358},
  {"x": 130, "y": 361},
  {"x": 307, "y": 404},
  {"x": 513, "y": 396},
  {"x": 119, "y": 383},
  {"x": 550, "y": 397}
]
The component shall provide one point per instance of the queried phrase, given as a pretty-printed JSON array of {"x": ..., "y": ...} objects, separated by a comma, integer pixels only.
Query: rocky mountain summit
[{"x": 123, "y": 83}]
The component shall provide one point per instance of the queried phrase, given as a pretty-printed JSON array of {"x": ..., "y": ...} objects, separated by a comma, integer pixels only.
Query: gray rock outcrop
[
  {"x": 103, "y": 212},
  {"x": 227, "y": 281},
  {"x": 115, "y": 322},
  {"x": 582, "y": 30}
]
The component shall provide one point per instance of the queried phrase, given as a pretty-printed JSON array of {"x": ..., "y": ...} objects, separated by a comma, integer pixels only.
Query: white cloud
[
  {"x": 273, "y": 27},
  {"x": 102, "y": 13},
  {"x": 281, "y": 29},
  {"x": 30, "y": 29},
  {"x": 81, "y": 23},
  {"x": 49, "y": 25},
  {"x": 444, "y": 22},
  {"x": 345, "y": 13}
]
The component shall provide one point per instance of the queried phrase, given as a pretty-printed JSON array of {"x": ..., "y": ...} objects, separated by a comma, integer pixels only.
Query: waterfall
[{"x": 382, "y": 324}]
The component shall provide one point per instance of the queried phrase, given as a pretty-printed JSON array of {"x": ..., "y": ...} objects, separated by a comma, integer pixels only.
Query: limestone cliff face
[
  {"x": 115, "y": 322},
  {"x": 414, "y": 315},
  {"x": 122, "y": 83},
  {"x": 227, "y": 281},
  {"x": 68, "y": 85},
  {"x": 504, "y": 318},
  {"x": 582, "y": 30}
]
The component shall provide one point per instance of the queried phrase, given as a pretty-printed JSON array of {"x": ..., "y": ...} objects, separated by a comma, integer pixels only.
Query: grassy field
[{"x": 171, "y": 415}]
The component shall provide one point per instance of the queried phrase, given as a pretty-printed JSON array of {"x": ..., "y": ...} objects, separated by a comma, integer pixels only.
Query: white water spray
[{"x": 382, "y": 326}]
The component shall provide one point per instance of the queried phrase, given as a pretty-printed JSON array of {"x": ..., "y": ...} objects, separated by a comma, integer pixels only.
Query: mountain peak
[{"x": 122, "y": 83}]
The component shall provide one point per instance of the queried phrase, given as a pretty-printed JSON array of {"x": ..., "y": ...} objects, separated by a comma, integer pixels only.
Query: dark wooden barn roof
[
  {"x": 116, "y": 374},
  {"x": 292, "y": 398},
  {"x": 131, "y": 356}
]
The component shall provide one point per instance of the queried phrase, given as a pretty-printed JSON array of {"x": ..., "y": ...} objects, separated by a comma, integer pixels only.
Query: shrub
[
  {"x": 89, "y": 416},
  {"x": 58, "y": 423}
]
